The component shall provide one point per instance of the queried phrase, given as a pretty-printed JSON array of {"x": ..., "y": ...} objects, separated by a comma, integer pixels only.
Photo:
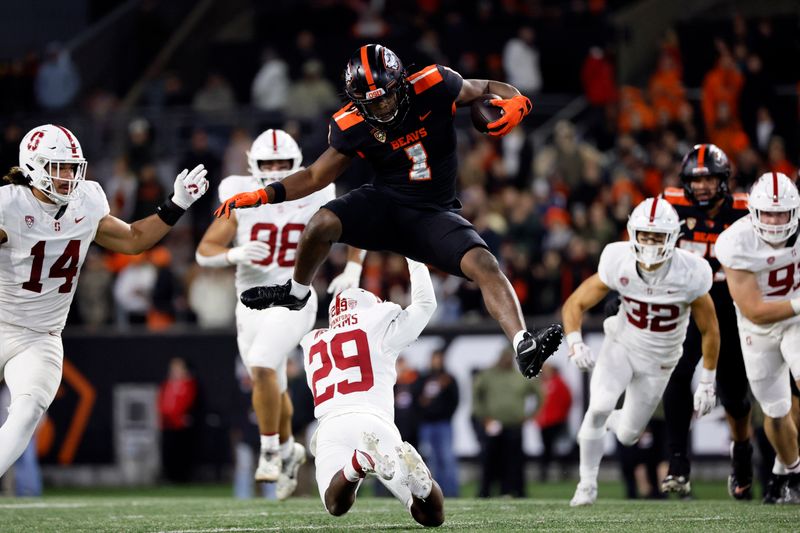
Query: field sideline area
[{"x": 210, "y": 510}]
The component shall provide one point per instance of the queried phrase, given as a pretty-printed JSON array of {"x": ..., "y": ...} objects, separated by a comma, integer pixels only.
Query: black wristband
[
  {"x": 280, "y": 192},
  {"x": 169, "y": 212}
]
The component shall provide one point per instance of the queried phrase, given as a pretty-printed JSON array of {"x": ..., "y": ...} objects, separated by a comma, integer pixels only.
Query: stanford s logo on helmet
[
  {"x": 705, "y": 160},
  {"x": 375, "y": 81}
]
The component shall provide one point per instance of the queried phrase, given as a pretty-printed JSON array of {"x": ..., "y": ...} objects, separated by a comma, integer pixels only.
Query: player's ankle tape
[{"x": 169, "y": 212}]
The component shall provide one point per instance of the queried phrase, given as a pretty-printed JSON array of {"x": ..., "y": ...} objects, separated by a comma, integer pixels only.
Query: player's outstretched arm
[
  {"x": 744, "y": 290},
  {"x": 586, "y": 296},
  {"x": 352, "y": 271},
  {"x": 134, "y": 238},
  {"x": 515, "y": 105},
  {"x": 319, "y": 175},
  {"x": 412, "y": 320},
  {"x": 705, "y": 317}
]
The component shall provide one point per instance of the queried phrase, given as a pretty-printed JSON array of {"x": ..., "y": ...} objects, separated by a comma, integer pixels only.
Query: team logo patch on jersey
[
  {"x": 691, "y": 222},
  {"x": 624, "y": 281},
  {"x": 379, "y": 135},
  {"x": 29, "y": 221},
  {"x": 390, "y": 60},
  {"x": 770, "y": 260}
]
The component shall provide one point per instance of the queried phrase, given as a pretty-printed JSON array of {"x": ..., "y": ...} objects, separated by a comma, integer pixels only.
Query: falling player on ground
[
  {"x": 264, "y": 247},
  {"x": 350, "y": 368},
  {"x": 658, "y": 286}
]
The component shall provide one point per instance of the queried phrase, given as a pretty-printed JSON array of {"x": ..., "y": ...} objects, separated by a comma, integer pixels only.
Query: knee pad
[
  {"x": 627, "y": 437},
  {"x": 593, "y": 425},
  {"x": 776, "y": 409}
]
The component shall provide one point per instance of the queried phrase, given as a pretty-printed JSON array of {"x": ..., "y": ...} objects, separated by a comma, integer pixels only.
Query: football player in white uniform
[
  {"x": 48, "y": 218},
  {"x": 350, "y": 368},
  {"x": 658, "y": 286},
  {"x": 264, "y": 246},
  {"x": 761, "y": 257}
]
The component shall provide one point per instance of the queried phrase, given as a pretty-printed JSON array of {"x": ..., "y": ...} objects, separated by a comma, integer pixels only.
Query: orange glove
[
  {"x": 514, "y": 109},
  {"x": 241, "y": 200}
]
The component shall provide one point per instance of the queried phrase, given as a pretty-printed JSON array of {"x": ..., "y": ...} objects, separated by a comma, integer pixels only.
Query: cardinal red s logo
[{"x": 33, "y": 143}]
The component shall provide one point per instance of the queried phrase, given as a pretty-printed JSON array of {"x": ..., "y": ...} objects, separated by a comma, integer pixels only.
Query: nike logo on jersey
[
  {"x": 77, "y": 220},
  {"x": 423, "y": 117}
]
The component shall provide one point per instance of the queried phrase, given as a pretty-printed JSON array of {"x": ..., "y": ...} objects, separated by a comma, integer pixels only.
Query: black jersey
[
  {"x": 415, "y": 163},
  {"x": 699, "y": 232}
]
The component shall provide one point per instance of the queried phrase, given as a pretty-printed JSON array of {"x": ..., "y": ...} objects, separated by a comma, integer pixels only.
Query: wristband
[
  {"x": 279, "y": 192},
  {"x": 169, "y": 212},
  {"x": 795, "y": 305},
  {"x": 574, "y": 338},
  {"x": 707, "y": 376}
]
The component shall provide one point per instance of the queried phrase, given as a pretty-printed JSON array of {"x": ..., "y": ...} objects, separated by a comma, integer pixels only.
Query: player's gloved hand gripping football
[
  {"x": 514, "y": 110},
  {"x": 190, "y": 186},
  {"x": 240, "y": 201}
]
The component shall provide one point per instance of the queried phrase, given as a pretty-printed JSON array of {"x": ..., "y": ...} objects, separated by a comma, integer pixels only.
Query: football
[{"x": 483, "y": 113}]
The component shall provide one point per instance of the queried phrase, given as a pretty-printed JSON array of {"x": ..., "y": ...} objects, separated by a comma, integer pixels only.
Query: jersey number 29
[{"x": 333, "y": 354}]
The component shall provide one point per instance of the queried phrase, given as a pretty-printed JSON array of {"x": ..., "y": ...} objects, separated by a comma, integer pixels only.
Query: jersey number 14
[{"x": 66, "y": 266}]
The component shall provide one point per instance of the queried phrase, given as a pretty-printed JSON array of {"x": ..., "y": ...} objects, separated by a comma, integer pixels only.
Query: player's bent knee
[
  {"x": 28, "y": 408},
  {"x": 431, "y": 519},
  {"x": 478, "y": 262},
  {"x": 626, "y": 437},
  {"x": 262, "y": 373},
  {"x": 776, "y": 410},
  {"x": 593, "y": 425},
  {"x": 324, "y": 225}
]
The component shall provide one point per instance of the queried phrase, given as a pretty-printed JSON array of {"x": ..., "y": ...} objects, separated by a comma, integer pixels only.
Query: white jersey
[
  {"x": 653, "y": 318},
  {"x": 777, "y": 270},
  {"x": 279, "y": 225},
  {"x": 349, "y": 369},
  {"x": 40, "y": 262}
]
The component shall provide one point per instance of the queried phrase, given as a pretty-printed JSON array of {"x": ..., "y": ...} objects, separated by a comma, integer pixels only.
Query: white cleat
[
  {"x": 287, "y": 480},
  {"x": 269, "y": 467},
  {"x": 416, "y": 475},
  {"x": 372, "y": 461},
  {"x": 585, "y": 494}
]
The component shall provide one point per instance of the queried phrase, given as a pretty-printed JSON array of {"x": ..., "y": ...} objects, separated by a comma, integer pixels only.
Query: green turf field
[{"x": 212, "y": 510}]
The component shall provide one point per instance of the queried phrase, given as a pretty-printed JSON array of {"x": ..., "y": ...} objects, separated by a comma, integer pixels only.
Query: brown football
[{"x": 483, "y": 113}]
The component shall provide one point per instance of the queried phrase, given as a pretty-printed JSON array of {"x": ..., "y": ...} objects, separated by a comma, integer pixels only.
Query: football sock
[
  {"x": 778, "y": 468},
  {"x": 287, "y": 448},
  {"x": 518, "y": 338},
  {"x": 793, "y": 469},
  {"x": 352, "y": 470},
  {"x": 299, "y": 290},
  {"x": 269, "y": 443},
  {"x": 15, "y": 434},
  {"x": 591, "y": 454}
]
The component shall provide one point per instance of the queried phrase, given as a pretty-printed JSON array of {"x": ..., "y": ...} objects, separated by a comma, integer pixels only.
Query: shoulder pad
[
  {"x": 347, "y": 117},
  {"x": 740, "y": 200},
  {"x": 676, "y": 196},
  {"x": 425, "y": 78}
]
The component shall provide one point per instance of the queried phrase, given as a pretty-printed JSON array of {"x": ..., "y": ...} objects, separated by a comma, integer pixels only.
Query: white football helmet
[
  {"x": 348, "y": 304},
  {"x": 654, "y": 215},
  {"x": 270, "y": 146},
  {"x": 42, "y": 153},
  {"x": 774, "y": 192}
]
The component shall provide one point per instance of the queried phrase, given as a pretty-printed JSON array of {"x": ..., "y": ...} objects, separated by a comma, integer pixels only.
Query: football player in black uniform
[
  {"x": 402, "y": 124},
  {"x": 706, "y": 208}
]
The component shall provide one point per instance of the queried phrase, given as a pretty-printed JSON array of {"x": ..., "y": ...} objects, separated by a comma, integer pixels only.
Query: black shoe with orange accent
[
  {"x": 534, "y": 349},
  {"x": 773, "y": 492},
  {"x": 273, "y": 296},
  {"x": 740, "y": 482}
]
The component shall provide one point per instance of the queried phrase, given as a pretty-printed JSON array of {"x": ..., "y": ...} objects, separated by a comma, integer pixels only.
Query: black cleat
[
  {"x": 534, "y": 349},
  {"x": 677, "y": 479},
  {"x": 273, "y": 296},
  {"x": 773, "y": 493},
  {"x": 791, "y": 490},
  {"x": 740, "y": 482}
]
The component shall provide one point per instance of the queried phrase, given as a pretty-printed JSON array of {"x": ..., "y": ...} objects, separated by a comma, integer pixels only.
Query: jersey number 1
[
  {"x": 420, "y": 171},
  {"x": 66, "y": 266},
  {"x": 333, "y": 355}
]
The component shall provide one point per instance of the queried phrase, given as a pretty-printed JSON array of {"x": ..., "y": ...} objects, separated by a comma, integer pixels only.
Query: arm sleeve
[
  {"x": 452, "y": 81},
  {"x": 412, "y": 320}
]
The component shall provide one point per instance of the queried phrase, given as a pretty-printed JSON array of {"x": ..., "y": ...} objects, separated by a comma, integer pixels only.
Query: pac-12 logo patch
[
  {"x": 691, "y": 222},
  {"x": 29, "y": 220},
  {"x": 770, "y": 260},
  {"x": 624, "y": 281}
]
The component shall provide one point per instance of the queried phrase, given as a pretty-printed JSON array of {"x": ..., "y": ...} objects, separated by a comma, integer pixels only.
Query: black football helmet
[
  {"x": 375, "y": 81},
  {"x": 705, "y": 160}
]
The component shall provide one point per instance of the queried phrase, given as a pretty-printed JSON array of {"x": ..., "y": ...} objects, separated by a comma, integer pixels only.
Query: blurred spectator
[
  {"x": 546, "y": 278},
  {"x": 599, "y": 85},
  {"x": 312, "y": 95},
  {"x": 177, "y": 403},
  {"x": 429, "y": 49},
  {"x": 58, "y": 81},
  {"x": 215, "y": 96},
  {"x": 726, "y": 132},
  {"x": 764, "y": 128},
  {"x": 498, "y": 403},
  {"x": 270, "y": 88},
  {"x": 635, "y": 114},
  {"x": 9, "y": 147},
  {"x": 140, "y": 148},
  {"x": 666, "y": 89},
  {"x": 552, "y": 418},
  {"x": 756, "y": 100},
  {"x": 436, "y": 399},
  {"x": 370, "y": 25},
  {"x": 776, "y": 158},
  {"x": 149, "y": 192},
  {"x": 721, "y": 88},
  {"x": 132, "y": 290},
  {"x": 93, "y": 294},
  {"x": 165, "y": 291},
  {"x": 200, "y": 152},
  {"x": 566, "y": 157},
  {"x": 212, "y": 296},
  {"x": 234, "y": 162},
  {"x": 121, "y": 190},
  {"x": 405, "y": 415},
  {"x": 521, "y": 62}
]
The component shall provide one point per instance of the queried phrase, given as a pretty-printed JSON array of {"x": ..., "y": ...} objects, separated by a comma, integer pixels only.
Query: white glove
[
  {"x": 413, "y": 264},
  {"x": 190, "y": 186},
  {"x": 347, "y": 279},
  {"x": 581, "y": 355},
  {"x": 705, "y": 398},
  {"x": 250, "y": 251}
]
